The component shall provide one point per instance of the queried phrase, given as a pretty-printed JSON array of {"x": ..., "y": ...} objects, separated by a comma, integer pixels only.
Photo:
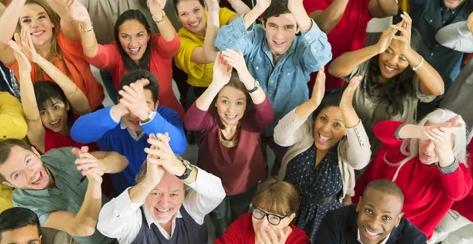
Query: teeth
[
  {"x": 194, "y": 24},
  {"x": 372, "y": 234},
  {"x": 35, "y": 181},
  {"x": 323, "y": 138},
  {"x": 388, "y": 68},
  {"x": 37, "y": 33}
]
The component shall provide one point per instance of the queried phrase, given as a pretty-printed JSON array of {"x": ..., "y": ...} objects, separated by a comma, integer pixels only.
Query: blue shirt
[
  {"x": 285, "y": 83},
  {"x": 109, "y": 135}
]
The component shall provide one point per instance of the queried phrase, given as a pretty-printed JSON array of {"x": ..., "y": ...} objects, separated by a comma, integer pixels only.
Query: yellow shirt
[
  {"x": 12, "y": 120},
  {"x": 199, "y": 75}
]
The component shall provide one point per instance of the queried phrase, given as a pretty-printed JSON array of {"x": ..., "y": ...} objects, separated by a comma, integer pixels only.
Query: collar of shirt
[
  {"x": 359, "y": 239},
  {"x": 131, "y": 132},
  {"x": 150, "y": 220}
]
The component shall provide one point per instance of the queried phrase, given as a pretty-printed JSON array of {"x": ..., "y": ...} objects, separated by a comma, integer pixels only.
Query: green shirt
[{"x": 67, "y": 194}]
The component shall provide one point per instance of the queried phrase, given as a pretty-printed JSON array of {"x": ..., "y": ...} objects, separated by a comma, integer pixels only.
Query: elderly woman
[
  {"x": 427, "y": 161},
  {"x": 274, "y": 208}
]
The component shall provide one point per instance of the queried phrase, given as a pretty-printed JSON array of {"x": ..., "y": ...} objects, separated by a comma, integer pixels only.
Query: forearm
[
  {"x": 166, "y": 29},
  {"x": 329, "y": 18},
  {"x": 88, "y": 40},
  {"x": 410, "y": 131},
  {"x": 250, "y": 83},
  {"x": 113, "y": 162},
  {"x": 430, "y": 81},
  {"x": 73, "y": 94},
  {"x": 239, "y": 6},
  {"x": 140, "y": 191},
  {"x": 302, "y": 18},
  {"x": 68, "y": 26},
  {"x": 9, "y": 20},
  {"x": 205, "y": 100},
  {"x": 347, "y": 62},
  {"x": 350, "y": 117},
  {"x": 28, "y": 97},
  {"x": 304, "y": 110},
  {"x": 250, "y": 17},
  {"x": 86, "y": 218},
  {"x": 456, "y": 36},
  {"x": 383, "y": 8},
  {"x": 213, "y": 24}
]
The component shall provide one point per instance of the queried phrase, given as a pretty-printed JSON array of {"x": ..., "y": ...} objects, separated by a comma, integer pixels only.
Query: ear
[
  {"x": 399, "y": 218},
  {"x": 358, "y": 204},
  {"x": 156, "y": 104},
  {"x": 68, "y": 106},
  {"x": 291, "y": 217},
  {"x": 35, "y": 151}
]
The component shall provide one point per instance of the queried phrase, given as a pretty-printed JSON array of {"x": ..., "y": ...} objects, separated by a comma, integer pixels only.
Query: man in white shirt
[{"x": 159, "y": 209}]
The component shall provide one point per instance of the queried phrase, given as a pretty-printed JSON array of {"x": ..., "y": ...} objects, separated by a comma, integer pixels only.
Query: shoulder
[
  {"x": 166, "y": 111},
  {"x": 406, "y": 232}
]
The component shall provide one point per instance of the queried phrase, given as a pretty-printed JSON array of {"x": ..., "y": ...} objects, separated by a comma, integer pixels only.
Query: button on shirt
[
  {"x": 285, "y": 83},
  {"x": 121, "y": 218}
]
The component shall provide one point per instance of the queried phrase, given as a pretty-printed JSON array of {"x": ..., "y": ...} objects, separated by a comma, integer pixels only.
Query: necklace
[{"x": 228, "y": 143}]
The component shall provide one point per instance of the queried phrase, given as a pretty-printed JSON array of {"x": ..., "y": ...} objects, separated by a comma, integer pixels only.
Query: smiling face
[
  {"x": 165, "y": 199},
  {"x": 53, "y": 114},
  {"x": 329, "y": 128},
  {"x": 378, "y": 213},
  {"x": 280, "y": 32},
  {"x": 264, "y": 225},
  {"x": 35, "y": 19},
  {"x": 191, "y": 15},
  {"x": 452, "y": 4},
  {"x": 133, "y": 122},
  {"x": 24, "y": 169},
  {"x": 231, "y": 105},
  {"x": 24, "y": 235},
  {"x": 133, "y": 38},
  {"x": 392, "y": 62}
]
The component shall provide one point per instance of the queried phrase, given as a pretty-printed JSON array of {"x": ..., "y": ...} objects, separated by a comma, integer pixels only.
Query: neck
[
  {"x": 319, "y": 155},
  {"x": 167, "y": 226},
  {"x": 276, "y": 58},
  {"x": 44, "y": 50}
]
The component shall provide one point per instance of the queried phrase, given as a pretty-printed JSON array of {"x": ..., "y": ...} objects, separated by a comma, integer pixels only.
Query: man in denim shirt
[{"x": 277, "y": 58}]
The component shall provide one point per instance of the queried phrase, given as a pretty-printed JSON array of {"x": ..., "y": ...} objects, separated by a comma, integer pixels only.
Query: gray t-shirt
[{"x": 67, "y": 194}]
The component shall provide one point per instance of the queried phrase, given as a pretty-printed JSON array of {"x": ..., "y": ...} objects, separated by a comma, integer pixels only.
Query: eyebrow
[
  {"x": 14, "y": 172},
  {"x": 339, "y": 120}
]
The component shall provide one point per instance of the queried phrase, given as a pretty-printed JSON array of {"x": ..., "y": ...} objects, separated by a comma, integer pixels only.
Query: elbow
[
  {"x": 333, "y": 71},
  {"x": 82, "y": 230}
]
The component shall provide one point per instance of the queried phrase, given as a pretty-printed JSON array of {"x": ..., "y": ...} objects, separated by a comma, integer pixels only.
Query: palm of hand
[{"x": 156, "y": 5}]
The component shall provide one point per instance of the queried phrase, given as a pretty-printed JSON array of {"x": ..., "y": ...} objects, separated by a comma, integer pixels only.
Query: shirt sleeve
[
  {"x": 120, "y": 218},
  {"x": 168, "y": 121},
  {"x": 234, "y": 36},
  {"x": 421, "y": 96},
  {"x": 386, "y": 131},
  {"x": 183, "y": 59},
  {"x": 291, "y": 129},
  {"x": 457, "y": 184},
  {"x": 91, "y": 127},
  {"x": 12, "y": 121},
  {"x": 198, "y": 120},
  {"x": 206, "y": 194},
  {"x": 166, "y": 48},
  {"x": 107, "y": 56},
  {"x": 313, "y": 49},
  {"x": 456, "y": 36},
  {"x": 356, "y": 148}
]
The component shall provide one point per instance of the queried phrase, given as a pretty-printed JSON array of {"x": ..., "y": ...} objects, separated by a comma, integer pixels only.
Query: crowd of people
[{"x": 306, "y": 130}]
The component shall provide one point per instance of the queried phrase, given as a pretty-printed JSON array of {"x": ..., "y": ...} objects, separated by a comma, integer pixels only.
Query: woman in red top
[
  {"x": 135, "y": 47},
  {"x": 47, "y": 104},
  {"x": 54, "y": 35},
  {"x": 274, "y": 208},
  {"x": 427, "y": 161}
]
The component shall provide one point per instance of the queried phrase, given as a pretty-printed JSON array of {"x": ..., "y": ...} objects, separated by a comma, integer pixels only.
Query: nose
[
  {"x": 393, "y": 60},
  {"x": 51, "y": 115},
  {"x": 374, "y": 224},
  {"x": 325, "y": 128},
  {"x": 430, "y": 147},
  {"x": 164, "y": 201}
]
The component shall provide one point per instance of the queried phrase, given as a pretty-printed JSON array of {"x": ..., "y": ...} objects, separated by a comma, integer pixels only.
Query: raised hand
[
  {"x": 294, "y": 5},
  {"x": 154, "y": 171},
  {"x": 441, "y": 137},
  {"x": 156, "y": 7},
  {"x": 212, "y": 5},
  {"x": 318, "y": 90},
  {"x": 160, "y": 153},
  {"x": 134, "y": 99},
  {"x": 264, "y": 4},
  {"x": 237, "y": 61},
  {"x": 347, "y": 97},
  {"x": 405, "y": 29},
  {"x": 469, "y": 22},
  {"x": 88, "y": 165},
  {"x": 222, "y": 71},
  {"x": 387, "y": 36},
  {"x": 23, "y": 62},
  {"x": 78, "y": 12}
]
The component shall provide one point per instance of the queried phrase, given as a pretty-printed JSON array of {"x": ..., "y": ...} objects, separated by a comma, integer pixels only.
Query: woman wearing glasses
[{"x": 274, "y": 207}]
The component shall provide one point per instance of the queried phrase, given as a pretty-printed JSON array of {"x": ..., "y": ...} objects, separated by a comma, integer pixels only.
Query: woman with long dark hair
[
  {"x": 135, "y": 47},
  {"x": 389, "y": 90}
]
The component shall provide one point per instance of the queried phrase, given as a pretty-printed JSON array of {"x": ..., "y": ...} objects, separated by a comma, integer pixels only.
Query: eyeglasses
[{"x": 272, "y": 218}]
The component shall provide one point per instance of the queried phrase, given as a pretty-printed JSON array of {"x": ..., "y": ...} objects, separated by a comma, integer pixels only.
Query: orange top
[{"x": 74, "y": 65}]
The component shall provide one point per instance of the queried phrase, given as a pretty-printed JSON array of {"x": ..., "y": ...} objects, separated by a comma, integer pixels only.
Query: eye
[
  {"x": 224, "y": 101},
  {"x": 15, "y": 176},
  {"x": 337, "y": 125},
  {"x": 124, "y": 36},
  {"x": 323, "y": 119},
  {"x": 386, "y": 218},
  {"x": 34, "y": 242},
  {"x": 174, "y": 195},
  {"x": 26, "y": 20},
  {"x": 389, "y": 51},
  {"x": 56, "y": 107},
  {"x": 368, "y": 211},
  {"x": 404, "y": 59},
  {"x": 240, "y": 103},
  {"x": 28, "y": 161}
]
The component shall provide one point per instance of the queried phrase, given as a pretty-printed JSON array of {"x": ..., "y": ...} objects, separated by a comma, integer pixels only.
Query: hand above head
[
  {"x": 405, "y": 29},
  {"x": 156, "y": 7},
  {"x": 295, "y": 5},
  {"x": 264, "y": 4},
  {"x": 88, "y": 165},
  {"x": 237, "y": 61},
  {"x": 212, "y": 5},
  {"x": 386, "y": 37},
  {"x": 222, "y": 71},
  {"x": 469, "y": 22},
  {"x": 134, "y": 99},
  {"x": 318, "y": 90},
  {"x": 78, "y": 12},
  {"x": 442, "y": 139},
  {"x": 161, "y": 154},
  {"x": 154, "y": 171},
  {"x": 23, "y": 62},
  {"x": 347, "y": 97}
]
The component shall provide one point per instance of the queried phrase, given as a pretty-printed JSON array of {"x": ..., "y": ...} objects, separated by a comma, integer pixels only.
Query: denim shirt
[{"x": 286, "y": 82}]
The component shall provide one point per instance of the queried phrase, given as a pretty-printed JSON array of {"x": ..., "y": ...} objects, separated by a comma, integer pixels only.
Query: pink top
[
  {"x": 348, "y": 35},
  {"x": 428, "y": 192},
  {"x": 241, "y": 231},
  {"x": 240, "y": 167},
  {"x": 108, "y": 57}
]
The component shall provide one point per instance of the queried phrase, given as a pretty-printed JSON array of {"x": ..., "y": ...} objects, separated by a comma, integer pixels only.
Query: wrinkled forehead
[{"x": 169, "y": 183}]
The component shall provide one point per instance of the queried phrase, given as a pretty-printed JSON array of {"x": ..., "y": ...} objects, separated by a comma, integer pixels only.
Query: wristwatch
[
  {"x": 256, "y": 86},
  {"x": 149, "y": 118},
  {"x": 188, "y": 170}
]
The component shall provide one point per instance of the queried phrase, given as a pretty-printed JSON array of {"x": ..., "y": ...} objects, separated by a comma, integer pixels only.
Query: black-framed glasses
[{"x": 273, "y": 219}]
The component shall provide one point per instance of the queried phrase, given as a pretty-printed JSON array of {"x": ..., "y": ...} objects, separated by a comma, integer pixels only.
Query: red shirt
[
  {"x": 428, "y": 192},
  {"x": 464, "y": 207},
  {"x": 348, "y": 35},
  {"x": 240, "y": 167},
  {"x": 55, "y": 140},
  {"x": 160, "y": 65},
  {"x": 241, "y": 231}
]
